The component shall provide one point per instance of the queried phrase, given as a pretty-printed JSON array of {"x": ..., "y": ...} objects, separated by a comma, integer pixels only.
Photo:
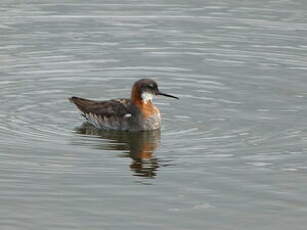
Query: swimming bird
[{"x": 135, "y": 114}]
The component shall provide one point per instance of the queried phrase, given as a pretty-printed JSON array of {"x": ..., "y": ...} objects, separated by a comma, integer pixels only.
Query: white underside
[
  {"x": 113, "y": 123},
  {"x": 108, "y": 123}
]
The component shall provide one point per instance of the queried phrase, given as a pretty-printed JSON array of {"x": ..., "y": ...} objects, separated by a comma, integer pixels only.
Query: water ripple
[{"x": 235, "y": 141}]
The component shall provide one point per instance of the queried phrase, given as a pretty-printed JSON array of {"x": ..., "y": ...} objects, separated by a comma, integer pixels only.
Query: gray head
[{"x": 145, "y": 89}]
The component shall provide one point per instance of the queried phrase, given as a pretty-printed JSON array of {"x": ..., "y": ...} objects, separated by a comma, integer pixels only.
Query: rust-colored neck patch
[{"x": 147, "y": 109}]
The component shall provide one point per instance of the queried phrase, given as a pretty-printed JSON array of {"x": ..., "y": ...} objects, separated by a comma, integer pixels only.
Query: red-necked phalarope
[{"x": 135, "y": 114}]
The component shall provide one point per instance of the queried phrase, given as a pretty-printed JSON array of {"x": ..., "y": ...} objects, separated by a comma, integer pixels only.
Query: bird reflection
[{"x": 139, "y": 146}]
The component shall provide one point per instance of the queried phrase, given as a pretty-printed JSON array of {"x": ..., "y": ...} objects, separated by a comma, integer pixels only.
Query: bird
[{"x": 137, "y": 113}]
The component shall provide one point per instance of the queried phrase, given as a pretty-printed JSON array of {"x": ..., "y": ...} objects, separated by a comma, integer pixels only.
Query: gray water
[{"x": 231, "y": 153}]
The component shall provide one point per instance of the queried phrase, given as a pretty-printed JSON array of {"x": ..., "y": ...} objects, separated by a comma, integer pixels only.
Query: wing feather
[{"x": 112, "y": 114}]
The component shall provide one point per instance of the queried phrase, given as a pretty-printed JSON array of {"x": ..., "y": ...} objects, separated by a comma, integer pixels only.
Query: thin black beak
[{"x": 167, "y": 95}]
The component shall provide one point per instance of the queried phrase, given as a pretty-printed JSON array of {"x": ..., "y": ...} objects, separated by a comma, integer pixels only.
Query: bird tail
[{"x": 82, "y": 103}]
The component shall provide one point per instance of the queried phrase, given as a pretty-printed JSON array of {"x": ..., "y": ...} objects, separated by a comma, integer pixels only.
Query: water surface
[{"x": 231, "y": 153}]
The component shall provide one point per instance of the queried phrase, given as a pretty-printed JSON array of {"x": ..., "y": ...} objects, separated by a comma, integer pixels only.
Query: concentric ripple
[{"x": 233, "y": 146}]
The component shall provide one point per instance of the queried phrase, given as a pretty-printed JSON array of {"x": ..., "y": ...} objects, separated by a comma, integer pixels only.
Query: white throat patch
[{"x": 147, "y": 97}]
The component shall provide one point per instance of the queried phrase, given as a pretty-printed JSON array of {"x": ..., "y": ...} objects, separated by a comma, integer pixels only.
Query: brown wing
[
  {"x": 113, "y": 114},
  {"x": 116, "y": 107}
]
